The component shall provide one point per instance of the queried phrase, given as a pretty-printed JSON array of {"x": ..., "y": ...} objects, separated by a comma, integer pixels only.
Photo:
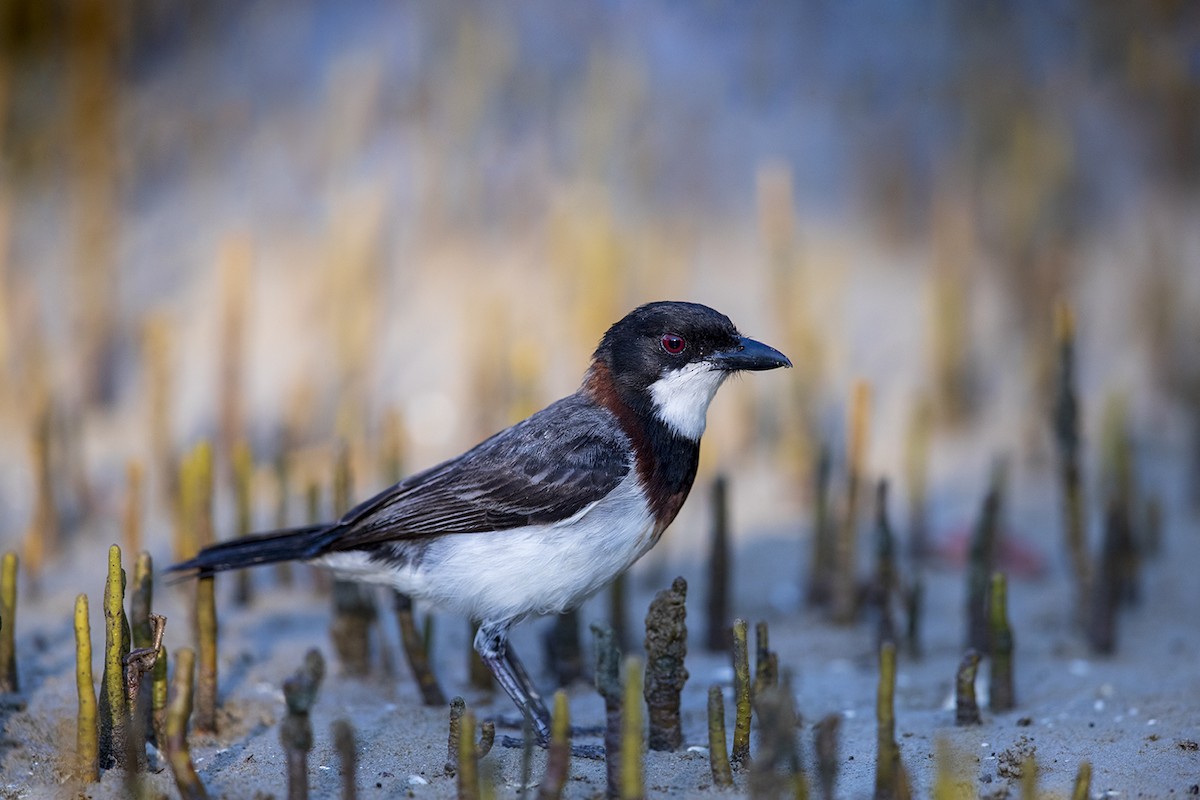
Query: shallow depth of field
[{"x": 259, "y": 260}]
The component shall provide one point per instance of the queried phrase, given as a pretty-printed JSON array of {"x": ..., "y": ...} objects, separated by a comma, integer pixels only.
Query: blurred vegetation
[
  {"x": 381, "y": 231},
  {"x": 291, "y": 222}
]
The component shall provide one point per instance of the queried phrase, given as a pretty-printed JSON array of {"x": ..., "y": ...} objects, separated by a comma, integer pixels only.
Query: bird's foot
[
  {"x": 587, "y": 730},
  {"x": 594, "y": 752}
]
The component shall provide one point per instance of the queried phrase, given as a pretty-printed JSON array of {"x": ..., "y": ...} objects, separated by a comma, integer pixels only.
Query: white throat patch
[{"x": 681, "y": 397}]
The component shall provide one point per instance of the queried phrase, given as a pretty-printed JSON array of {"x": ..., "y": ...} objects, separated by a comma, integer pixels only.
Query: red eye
[{"x": 673, "y": 343}]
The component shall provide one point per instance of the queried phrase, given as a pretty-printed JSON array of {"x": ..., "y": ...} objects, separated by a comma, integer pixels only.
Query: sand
[{"x": 1135, "y": 716}]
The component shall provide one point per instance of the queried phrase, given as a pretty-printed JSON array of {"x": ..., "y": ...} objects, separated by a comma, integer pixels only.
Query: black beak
[{"x": 749, "y": 355}]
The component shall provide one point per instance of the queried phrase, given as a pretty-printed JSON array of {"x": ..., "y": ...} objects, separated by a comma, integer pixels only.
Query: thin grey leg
[
  {"x": 535, "y": 698},
  {"x": 491, "y": 642}
]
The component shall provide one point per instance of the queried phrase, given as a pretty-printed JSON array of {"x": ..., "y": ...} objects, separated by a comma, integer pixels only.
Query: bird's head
[{"x": 671, "y": 358}]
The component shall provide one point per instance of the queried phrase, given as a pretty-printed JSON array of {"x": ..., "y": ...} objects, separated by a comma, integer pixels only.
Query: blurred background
[{"x": 398, "y": 227}]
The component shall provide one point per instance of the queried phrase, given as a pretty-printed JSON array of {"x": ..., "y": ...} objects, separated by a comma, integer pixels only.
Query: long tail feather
[{"x": 265, "y": 548}]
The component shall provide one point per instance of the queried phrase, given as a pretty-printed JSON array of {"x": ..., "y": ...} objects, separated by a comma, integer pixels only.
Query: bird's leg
[
  {"x": 535, "y": 698},
  {"x": 491, "y": 642}
]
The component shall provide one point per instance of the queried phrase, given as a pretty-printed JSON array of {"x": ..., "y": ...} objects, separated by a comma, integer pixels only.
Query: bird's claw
[{"x": 593, "y": 752}]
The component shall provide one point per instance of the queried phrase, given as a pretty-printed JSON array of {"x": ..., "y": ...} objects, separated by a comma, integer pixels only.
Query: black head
[{"x": 674, "y": 356}]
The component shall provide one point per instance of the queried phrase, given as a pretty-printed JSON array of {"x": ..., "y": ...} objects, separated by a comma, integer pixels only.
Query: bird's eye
[{"x": 673, "y": 343}]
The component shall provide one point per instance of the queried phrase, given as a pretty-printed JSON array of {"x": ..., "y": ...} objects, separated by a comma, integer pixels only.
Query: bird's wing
[{"x": 539, "y": 471}]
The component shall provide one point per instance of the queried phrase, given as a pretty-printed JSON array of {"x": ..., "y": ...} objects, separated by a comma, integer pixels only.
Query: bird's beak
[{"x": 749, "y": 355}]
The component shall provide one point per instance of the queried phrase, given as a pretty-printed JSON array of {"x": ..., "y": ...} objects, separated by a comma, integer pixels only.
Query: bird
[{"x": 542, "y": 515}]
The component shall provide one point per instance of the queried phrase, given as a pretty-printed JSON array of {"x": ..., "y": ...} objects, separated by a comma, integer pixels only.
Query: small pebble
[{"x": 417, "y": 780}]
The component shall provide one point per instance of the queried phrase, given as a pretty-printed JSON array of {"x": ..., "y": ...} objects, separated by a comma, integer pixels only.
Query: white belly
[{"x": 509, "y": 574}]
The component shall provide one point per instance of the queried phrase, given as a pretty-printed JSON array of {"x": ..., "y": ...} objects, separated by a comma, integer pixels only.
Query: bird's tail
[{"x": 289, "y": 544}]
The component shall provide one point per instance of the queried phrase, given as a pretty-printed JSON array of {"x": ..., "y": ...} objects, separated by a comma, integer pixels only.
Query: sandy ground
[{"x": 1135, "y": 716}]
